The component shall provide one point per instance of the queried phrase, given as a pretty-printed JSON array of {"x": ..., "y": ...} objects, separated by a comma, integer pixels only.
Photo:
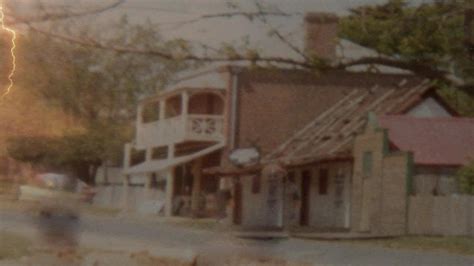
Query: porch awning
[{"x": 156, "y": 166}]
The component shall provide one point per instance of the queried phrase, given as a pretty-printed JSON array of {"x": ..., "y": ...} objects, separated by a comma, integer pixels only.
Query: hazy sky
[{"x": 169, "y": 13}]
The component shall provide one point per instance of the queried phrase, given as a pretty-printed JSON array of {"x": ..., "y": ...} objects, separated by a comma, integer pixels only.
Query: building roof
[
  {"x": 330, "y": 135},
  {"x": 159, "y": 165},
  {"x": 433, "y": 141}
]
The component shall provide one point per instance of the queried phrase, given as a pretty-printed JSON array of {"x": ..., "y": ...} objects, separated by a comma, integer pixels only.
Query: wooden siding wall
[
  {"x": 139, "y": 199},
  {"x": 255, "y": 209},
  {"x": 441, "y": 215},
  {"x": 330, "y": 210}
]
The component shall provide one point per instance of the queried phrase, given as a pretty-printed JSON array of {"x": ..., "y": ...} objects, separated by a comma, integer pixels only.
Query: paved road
[{"x": 213, "y": 246}]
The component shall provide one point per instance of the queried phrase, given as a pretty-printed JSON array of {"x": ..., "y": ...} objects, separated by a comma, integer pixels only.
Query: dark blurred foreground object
[
  {"x": 58, "y": 227},
  {"x": 58, "y": 197}
]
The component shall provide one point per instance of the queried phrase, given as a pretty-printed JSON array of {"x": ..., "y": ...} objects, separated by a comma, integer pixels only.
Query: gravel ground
[{"x": 163, "y": 240}]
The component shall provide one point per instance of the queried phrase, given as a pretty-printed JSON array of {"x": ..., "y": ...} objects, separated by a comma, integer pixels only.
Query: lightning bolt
[{"x": 12, "y": 51}]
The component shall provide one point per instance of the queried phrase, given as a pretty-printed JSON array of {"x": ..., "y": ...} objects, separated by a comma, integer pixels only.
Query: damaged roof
[{"x": 330, "y": 135}]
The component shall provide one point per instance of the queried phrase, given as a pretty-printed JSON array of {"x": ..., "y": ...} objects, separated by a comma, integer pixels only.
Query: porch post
[
  {"x": 149, "y": 176},
  {"x": 170, "y": 151},
  {"x": 196, "y": 190},
  {"x": 140, "y": 114},
  {"x": 162, "y": 107},
  {"x": 126, "y": 157},
  {"x": 148, "y": 154},
  {"x": 185, "y": 103},
  {"x": 125, "y": 192},
  {"x": 125, "y": 176},
  {"x": 169, "y": 191}
]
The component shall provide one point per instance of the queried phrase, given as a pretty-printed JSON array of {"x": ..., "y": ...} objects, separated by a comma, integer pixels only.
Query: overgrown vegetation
[
  {"x": 466, "y": 179},
  {"x": 434, "y": 40},
  {"x": 96, "y": 90},
  {"x": 455, "y": 245}
]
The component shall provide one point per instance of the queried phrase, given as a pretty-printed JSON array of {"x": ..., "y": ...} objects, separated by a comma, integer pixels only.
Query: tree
[
  {"x": 429, "y": 40},
  {"x": 97, "y": 89},
  {"x": 466, "y": 179}
]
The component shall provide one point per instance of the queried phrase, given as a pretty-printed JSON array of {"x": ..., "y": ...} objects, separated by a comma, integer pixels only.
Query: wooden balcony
[
  {"x": 208, "y": 128},
  {"x": 204, "y": 128}
]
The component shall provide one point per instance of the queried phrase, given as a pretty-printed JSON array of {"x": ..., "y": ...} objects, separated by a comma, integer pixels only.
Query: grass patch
[
  {"x": 13, "y": 246},
  {"x": 455, "y": 245}
]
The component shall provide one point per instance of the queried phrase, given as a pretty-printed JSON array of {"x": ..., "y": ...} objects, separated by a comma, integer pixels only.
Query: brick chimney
[{"x": 321, "y": 34}]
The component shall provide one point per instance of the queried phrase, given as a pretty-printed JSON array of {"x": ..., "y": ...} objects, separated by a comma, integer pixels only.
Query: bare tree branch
[
  {"x": 262, "y": 17},
  {"x": 424, "y": 70},
  {"x": 418, "y": 68},
  {"x": 248, "y": 15},
  {"x": 170, "y": 56},
  {"x": 12, "y": 19}
]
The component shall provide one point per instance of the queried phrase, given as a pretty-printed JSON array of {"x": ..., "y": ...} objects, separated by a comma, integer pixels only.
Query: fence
[
  {"x": 135, "y": 198},
  {"x": 109, "y": 196},
  {"x": 441, "y": 215}
]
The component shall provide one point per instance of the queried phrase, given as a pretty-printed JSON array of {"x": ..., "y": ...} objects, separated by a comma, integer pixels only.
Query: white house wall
[
  {"x": 256, "y": 210},
  {"x": 325, "y": 211},
  {"x": 110, "y": 196},
  {"x": 331, "y": 210},
  {"x": 253, "y": 214},
  {"x": 429, "y": 107}
]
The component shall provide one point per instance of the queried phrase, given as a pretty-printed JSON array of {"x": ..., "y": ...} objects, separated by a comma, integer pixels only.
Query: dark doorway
[
  {"x": 237, "y": 217},
  {"x": 305, "y": 194},
  {"x": 183, "y": 180}
]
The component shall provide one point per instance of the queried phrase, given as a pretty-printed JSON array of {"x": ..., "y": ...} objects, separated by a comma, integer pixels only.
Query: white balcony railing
[
  {"x": 205, "y": 127},
  {"x": 180, "y": 128}
]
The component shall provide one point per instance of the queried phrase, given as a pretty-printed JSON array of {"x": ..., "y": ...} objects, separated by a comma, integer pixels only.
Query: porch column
[
  {"x": 149, "y": 177},
  {"x": 196, "y": 191},
  {"x": 126, "y": 177},
  {"x": 148, "y": 154},
  {"x": 140, "y": 115},
  {"x": 126, "y": 157},
  {"x": 169, "y": 174},
  {"x": 125, "y": 192},
  {"x": 185, "y": 103},
  {"x": 162, "y": 107}
]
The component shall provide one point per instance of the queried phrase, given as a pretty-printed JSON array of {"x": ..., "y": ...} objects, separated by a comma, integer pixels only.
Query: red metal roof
[{"x": 433, "y": 141}]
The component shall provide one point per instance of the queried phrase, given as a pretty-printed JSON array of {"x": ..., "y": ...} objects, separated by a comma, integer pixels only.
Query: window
[
  {"x": 323, "y": 182},
  {"x": 256, "y": 184},
  {"x": 367, "y": 162}
]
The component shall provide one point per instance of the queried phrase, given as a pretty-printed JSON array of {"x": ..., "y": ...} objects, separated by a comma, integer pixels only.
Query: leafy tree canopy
[
  {"x": 97, "y": 89},
  {"x": 466, "y": 179},
  {"x": 433, "y": 38}
]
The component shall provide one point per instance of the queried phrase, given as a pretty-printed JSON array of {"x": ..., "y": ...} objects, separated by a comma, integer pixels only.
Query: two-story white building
[{"x": 178, "y": 132}]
